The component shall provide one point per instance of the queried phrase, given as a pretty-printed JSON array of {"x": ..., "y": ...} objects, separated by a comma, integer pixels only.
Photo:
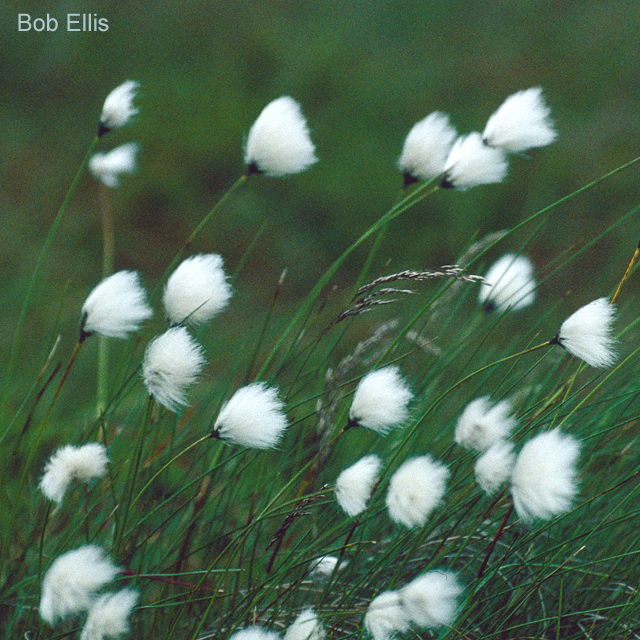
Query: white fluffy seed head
[
  {"x": 544, "y": 479},
  {"x": 494, "y": 467},
  {"x": 255, "y": 633},
  {"x": 118, "y": 106},
  {"x": 108, "y": 167},
  {"x": 484, "y": 423},
  {"x": 84, "y": 463},
  {"x": 586, "y": 333},
  {"x": 415, "y": 490},
  {"x": 380, "y": 401},
  {"x": 306, "y": 626},
  {"x": 322, "y": 568},
  {"x": 471, "y": 163},
  {"x": 172, "y": 363},
  {"x": 197, "y": 290},
  {"x": 510, "y": 284},
  {"x": 354, "y": 485},
  {"x": 72, "y": 580},
  {"x": 109, "y": 615},
  {"x": 431, "y": 600},
  {"x": 386, "y": 617},
  {"x": 427, "y": 147},
  {"x": 279, "y": 142},
  {"x": 116, "y": 307},
  {"x": 522, "y": 122},
  {"x": 254, "y": 417}
]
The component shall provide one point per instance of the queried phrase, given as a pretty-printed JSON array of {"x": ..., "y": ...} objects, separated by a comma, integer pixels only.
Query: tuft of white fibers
[
  {"x": 386, "y": 617},
  {"x": 380, "y": 401},
  {"x": 254, "y": 633},
  {"x": 306, "y": 626},
  {"x": 172, "y": 362},
  {"x": 586, "y": 333},
  {"x": 426, "y": 148},
  {"x": 544, "y": 479},
  {"x": 84, "y": 463},
  {"x": 107, "y": 167},
  {"x": 431, "y": 600},
  {"x": 253, "y": 417},
  {"x": 116, "y": 307},
  {"x": 118, "y": 107},
  {"x": 471, "y": 163},
  {"x": 108, "y": 616},
  {"x": 197, "y": 290},
  {"x": 279, "y": 143},
  {"x": 484, "y": 423},
  {"x": 72, "y": 580},
  {"x": 510, "y": 284},
  {"x": 415, "y": 490},
  {"x": 494, "y": 466},
  {"x": 521, "y": 122},
  {"x": 354, "y": 485},
  {"x": 323, "y": 567}
]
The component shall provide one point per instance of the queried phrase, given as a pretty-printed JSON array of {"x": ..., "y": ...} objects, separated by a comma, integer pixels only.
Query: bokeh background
[{"x": 365, "y": 72}]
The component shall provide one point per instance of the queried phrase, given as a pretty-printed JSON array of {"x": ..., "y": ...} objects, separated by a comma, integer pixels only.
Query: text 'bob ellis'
[{"x": 72, "y": 22}]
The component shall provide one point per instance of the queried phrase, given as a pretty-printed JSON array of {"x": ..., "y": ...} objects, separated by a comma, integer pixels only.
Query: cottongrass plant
[
  {"x": 108, "y": 167},
  {"x": 486, "y": 486}
]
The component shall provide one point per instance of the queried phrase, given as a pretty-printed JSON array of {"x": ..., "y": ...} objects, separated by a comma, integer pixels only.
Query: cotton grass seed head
[
  {"x": 279, "y": 142},
  {"x": 116, "y": 307},
  {"x": 471, "y": 163},
  {"x": 354, "y": 485},
  {"x": 197, "y": 290},
  {"x": 493, "y": 468},
  {"x": 522, "y": 122},
  {"x": 510, "y": 284},
  {"x": 415, "y": 490},
  {"x": 426, "y": 148},
  {"x": 72, "y": 580},
  {"x": 306, "y": 626},
  {"x": 586, "y": 334},
  {"x": 172, "y": 363},
  {"x": 109, "y": 615},
  {"x": 322, "y": 568},
  {"x": 84, "y": 463},
  {"x": 254, "y": 417},
  {"x": 386, "y": 617},
  {"x": 255, "y": 633},
  {"x": 484, "y": 423},
  {"x": 544, "y": 480},
  {"x": 118, "y": 107},
  {"x": 380, "y": 401},
  {"x": 108, "y": 167},
  {"x": 431, "y": 600}
]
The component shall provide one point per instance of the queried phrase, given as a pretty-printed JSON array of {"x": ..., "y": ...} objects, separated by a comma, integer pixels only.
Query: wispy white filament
[
  {"x": 386, "y": 617},
  {"x": 108, "y": 167},
  {"x": 72, "y": 580},
  {"x": 255, "y": 633},
  {"x": 109, "y": 615},
  {"x": 279, "y": 142},
  {"x": 544, "y": 480},
  {"x": 118, "y": 106},
  {"x": 84, "y": 463},
  {"x": 197, "y": 290},
  {"x": 510, "y": 284},
  {"x": 484, "y": 423},
  {"x": 172, "y": 363},
  {"x": 116, "y": 307},
  {"x": 427, "y": 147},
  {"x": 415, "y": 490},
  {"x": 254, "y": 417},
  {"x": 380, "y": 401},
  {"x": 431, "y": 600},
  {"x": 306, "y": 626},
  {"x": 354, "y": 485},
  {"x": 586, "y": 334},
  {"x": 522, "y": 122},
  {"x": 471, "y": 163},
  {"x": 493, "y": 468}
]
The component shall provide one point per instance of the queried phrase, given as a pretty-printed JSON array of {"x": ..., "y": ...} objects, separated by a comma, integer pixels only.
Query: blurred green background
[{"x": 364, "y": 73}]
